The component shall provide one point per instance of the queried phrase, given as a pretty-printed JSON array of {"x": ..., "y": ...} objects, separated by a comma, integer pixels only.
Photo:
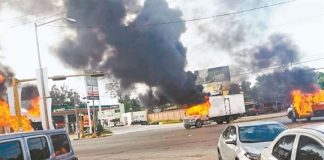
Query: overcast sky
[{"x": 302, "y": 20}]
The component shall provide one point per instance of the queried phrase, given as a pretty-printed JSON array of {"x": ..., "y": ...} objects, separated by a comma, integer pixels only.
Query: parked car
[
  {"x": 252, "y": 112},
  {"x": 305, "y": 143},
  {"x": 136, "y": 122},
  {"x": 52, "y": 145},
  {"x": 247, "y": 140}
]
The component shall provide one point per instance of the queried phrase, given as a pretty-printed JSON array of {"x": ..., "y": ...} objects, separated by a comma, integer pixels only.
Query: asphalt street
[{"x": 161, "y": 143}]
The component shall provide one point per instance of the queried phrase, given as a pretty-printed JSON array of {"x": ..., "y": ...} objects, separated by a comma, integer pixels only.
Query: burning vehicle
[
  {"x": 9, "y": 122},
  {"x": 306, "y": 105},
  {"x": 221, "y": 108}
]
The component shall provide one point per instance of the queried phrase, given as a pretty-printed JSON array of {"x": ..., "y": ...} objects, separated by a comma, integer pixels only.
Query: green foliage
[
  {"x": 131, "y": 104},
  {"x": 320, "y": 79},
  {"x": 246, "y": 89},
  {"x": 63, "y": 96},
  {"x": 99, "y": 128}
]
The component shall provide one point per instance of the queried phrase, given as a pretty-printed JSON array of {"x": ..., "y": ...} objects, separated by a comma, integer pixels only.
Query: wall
[
  {"x": 127, "y": 118},
  {"x": 177, "y": 114}
]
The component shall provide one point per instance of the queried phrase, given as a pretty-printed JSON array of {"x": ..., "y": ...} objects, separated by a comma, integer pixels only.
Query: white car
[
  {"x": 305, "y": 143},
  {"x": 245, "y": 141}
]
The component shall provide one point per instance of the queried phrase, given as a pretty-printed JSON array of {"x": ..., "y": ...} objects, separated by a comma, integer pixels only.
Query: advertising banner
[
  {"x": 214, "y": 80},
  {"x": 92, "y": 88}
]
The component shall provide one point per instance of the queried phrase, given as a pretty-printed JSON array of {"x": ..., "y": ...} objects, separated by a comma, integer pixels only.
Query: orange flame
[
  {"x": 6, "y": 120},
  {"x": 2, "y": 78},
  {"x": 34, "y": 107},
  {"x": 201, "y": 109},
  {"x": 305, "y": 103},
  {"x": 4, "y": 114}
]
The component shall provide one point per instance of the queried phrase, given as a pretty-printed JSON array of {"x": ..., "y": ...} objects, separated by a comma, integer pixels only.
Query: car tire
[
  {"x": 199, "y": 124},
  {"x": 309, "y": 119},
  {"x": 219, "y": 155}
]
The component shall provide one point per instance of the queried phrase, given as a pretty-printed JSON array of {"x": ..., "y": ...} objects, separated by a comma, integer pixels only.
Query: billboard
[
  {"x": 214, "y": 80},
  {"x": 92, "y": 88}
]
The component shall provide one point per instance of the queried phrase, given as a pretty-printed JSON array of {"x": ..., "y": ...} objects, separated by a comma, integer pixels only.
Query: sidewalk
[
  {"x": 261, "y": 117},
  {"x": 139, "y": 128}
]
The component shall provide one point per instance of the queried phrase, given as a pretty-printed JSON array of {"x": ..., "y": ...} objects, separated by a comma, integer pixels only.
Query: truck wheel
[
  {"x": 309, "y": 119},
  {"x": 187, "y": 126},
  {"x": 293, "y": 119},
  {"x": 199, "y": 124},
  {"x": 219, "y": 121},
  {"x": 229, "y": 119}
]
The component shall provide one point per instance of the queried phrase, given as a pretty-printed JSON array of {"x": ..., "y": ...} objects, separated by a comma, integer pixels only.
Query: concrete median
[{"x": 261, "y": 117}]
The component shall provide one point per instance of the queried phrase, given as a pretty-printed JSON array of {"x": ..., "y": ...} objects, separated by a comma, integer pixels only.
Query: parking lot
[{"x": 171, "y": 141}]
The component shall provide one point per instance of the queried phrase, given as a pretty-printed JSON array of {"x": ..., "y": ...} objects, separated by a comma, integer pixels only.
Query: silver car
[{"x": 247, "y": 140}]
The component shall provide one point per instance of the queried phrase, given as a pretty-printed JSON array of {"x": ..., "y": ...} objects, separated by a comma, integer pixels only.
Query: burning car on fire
[{"x": 306, "y": 105}]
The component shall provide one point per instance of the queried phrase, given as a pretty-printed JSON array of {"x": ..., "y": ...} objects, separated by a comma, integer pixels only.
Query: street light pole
[
  {"x": 47, "y": 125},
  {"x": 76, "y": 116},
  {"x": 93, "y": 113}
]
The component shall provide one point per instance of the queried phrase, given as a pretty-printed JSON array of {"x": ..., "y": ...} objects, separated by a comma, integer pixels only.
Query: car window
[
  {"x": 11, "y": 151},
  {"x": 225, "y": 133},
  {"x": 38, "y": 148},
  {"x": 61, "y": 144},
  {"x": 260, "y": 133},
  {"x": 309, "y": 148},
  {"x": 283, "y": 148},
  {"x": 232, "y": 133}
]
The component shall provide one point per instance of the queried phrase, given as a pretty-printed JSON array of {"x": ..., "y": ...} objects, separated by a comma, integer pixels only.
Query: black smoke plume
[
  {"x": 7, "y": 74},
  {"x": 132, "y": 50},
  {"x": 232, "y": 32},
  {"x": 279, "y": 50},
  {"x": 278, "y": 85},
  {"x": 29, "y": 92}
]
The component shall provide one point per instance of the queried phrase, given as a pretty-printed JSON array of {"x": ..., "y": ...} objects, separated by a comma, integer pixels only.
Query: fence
[{"x": 177, "y": 114}]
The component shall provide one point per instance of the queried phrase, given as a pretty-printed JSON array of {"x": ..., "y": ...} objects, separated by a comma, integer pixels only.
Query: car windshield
[{"x": 260, "y": 133}]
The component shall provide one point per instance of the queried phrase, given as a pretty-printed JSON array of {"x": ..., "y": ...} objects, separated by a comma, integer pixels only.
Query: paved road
[{"x": 168, "y": 142}]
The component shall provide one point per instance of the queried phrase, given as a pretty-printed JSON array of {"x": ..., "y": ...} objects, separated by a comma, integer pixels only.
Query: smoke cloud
[
  {"x": 6, "y": 75},
  {"x": 34, "y": 7},
  {"x": 277, "y": 50},
  {"x": 29, "y": 92},
  {"x": 232, "y": 32},
  {"x": 131, "y": 51},
  {"x": 278, "y": 85}
]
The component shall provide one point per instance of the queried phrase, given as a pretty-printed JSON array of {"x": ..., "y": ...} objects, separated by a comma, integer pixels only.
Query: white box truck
[{"x": 224, "y": 108}]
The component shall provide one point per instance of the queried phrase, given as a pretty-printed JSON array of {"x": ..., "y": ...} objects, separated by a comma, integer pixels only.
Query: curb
[
  {"x": 90, "y": 137},
  {"x": 258, "y": 118}
]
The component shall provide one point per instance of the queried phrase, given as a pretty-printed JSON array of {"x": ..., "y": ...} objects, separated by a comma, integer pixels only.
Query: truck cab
[{"x": 195, "y": 120}]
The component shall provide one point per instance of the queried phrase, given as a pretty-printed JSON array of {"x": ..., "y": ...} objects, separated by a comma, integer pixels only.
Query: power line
[
  {"x": 276, "y": 67},
  {"x": 172, "y": 22},
  {"x": 216, "y": 16}
]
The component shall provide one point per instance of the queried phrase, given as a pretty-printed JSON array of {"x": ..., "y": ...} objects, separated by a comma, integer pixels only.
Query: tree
[
  {"x": 130, "y": 104},
  {"x": 235, "y": 89},
  {"x": 113, "y": 88},
  {"x": 320, "y": 79},
  {"x": 63, "y": 96},
  {"x": 247, "y": 90}
]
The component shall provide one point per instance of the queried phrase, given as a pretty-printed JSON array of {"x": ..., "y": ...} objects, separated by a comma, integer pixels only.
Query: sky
[{"x": 302, "y": 20}]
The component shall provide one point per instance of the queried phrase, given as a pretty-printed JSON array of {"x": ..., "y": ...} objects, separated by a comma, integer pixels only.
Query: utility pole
[
  {"x": 76, "y": 116},
  {"x": 93, "y": 112}
]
